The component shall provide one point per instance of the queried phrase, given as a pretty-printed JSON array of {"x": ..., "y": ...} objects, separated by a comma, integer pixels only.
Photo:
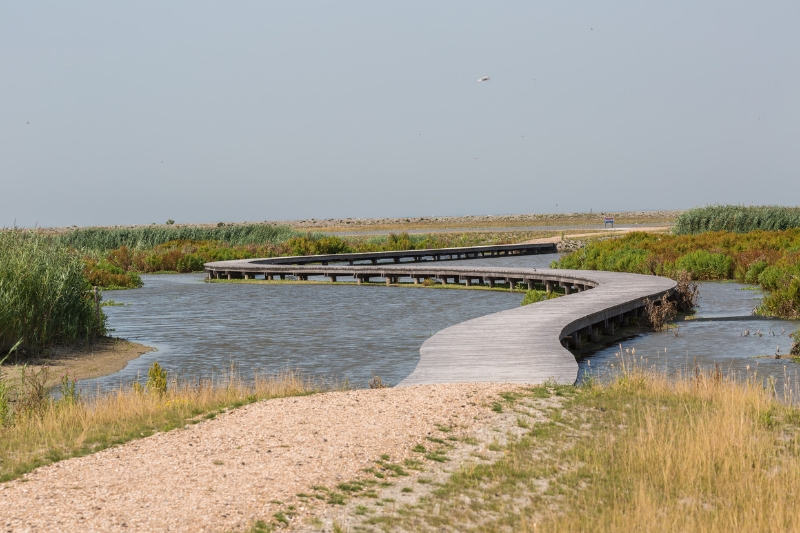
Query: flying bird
[{"x": 485, "y": 78}]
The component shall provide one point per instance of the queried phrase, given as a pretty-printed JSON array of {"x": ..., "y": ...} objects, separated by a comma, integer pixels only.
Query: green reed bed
[
  {"x": 770, "y": 259},
  {"x": 144, "y": 237},
  {"x": 44, "y": 296},
  {"x": 737, "y": 218}
]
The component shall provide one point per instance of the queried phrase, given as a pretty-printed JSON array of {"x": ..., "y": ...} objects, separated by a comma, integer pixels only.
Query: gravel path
[{"x": 222, "y": 474}]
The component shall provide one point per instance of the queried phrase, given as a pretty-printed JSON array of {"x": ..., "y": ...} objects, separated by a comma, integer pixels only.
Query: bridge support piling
[
  {"x": 332, "y": 278},
  {"x": 576, "y": 340},
  {"x": 548, "y": 286},
  {"x": 567, "y": 287},
  {"x": 467, "y": 282}
]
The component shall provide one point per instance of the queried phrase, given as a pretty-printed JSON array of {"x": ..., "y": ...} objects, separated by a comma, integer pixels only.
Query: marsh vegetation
[{"x": 770, "y": 259}]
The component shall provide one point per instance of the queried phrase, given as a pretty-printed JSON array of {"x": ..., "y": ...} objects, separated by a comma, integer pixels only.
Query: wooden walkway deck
[{"x": 522, "y": 345}]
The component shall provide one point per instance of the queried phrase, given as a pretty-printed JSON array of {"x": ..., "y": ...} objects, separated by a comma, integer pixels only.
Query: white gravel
[{"x": 223, "y": 474}]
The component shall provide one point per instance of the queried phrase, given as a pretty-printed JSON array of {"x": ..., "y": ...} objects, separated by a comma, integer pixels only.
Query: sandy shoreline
[{"x": 102, "y": 357}]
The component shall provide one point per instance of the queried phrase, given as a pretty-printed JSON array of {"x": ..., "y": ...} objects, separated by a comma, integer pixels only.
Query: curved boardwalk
[{"x": 522, "y": 345}]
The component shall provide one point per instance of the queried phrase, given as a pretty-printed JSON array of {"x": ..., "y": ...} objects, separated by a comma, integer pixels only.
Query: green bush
[
  {"x": 156, "y": 379},
  {"x": 533, "y": 296},
  {"x": 773, "y": 277},
  {"x": 754, "y": 271},
  {"x": 784, "y": 301},
  {"x": 106, "y": 275},
  {"x": 44, "y": 295},
  {"x": 190, "y": 263},
  {"x": 705, "y": 265}
]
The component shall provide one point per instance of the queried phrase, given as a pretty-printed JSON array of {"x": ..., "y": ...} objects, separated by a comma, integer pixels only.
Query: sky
[{"x": 138, "y": 112}]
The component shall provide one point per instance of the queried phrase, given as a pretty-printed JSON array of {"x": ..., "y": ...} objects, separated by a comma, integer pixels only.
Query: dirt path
[
  {"x": 602, "y": 233},
  {"x": 248, "y": 464}
]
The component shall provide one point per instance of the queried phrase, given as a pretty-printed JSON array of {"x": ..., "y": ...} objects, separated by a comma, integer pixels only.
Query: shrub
[
  {"x": 795, "y": 343},
  {"x": 686, "y": 293},
  {"x": 190, "y": 263},
  {"x": 106, "y": 275},
  {"x": 754, "y": 271},
  {"x": 534, "y": 296},
  {"x": 783, "y": 301},
  {"x": 704, "y": 265},
  {"x": 156, "y": 379},
  {"x": 659, "y": 313}
]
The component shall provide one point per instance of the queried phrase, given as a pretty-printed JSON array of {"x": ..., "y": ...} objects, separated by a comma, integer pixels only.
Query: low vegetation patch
[
  {"x": 639, "y": 452},
  {"x": 36, "y": 429},
  {"x": 770, "y": 259}
]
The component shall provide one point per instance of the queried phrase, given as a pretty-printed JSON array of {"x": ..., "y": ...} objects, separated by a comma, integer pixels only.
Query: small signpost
[{"x": 607, "y": 221}]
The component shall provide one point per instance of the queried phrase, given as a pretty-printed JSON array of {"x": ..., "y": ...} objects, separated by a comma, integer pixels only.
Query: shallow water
[
  {"x": 334, "y": 332},
  {"x": 344, "y": 331},
  {"x": 713, "y": 342}
]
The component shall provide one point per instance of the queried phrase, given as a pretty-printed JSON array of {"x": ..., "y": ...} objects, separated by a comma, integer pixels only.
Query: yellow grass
[
  {"x": 642, "y": 452},
  {"x": 64, "y": 429}
]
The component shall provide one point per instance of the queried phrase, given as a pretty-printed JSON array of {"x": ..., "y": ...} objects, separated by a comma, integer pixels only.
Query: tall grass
[
  {"x": 75, "y": 426},
  {"x": 44, "y": 296},
  {"x": 644, "y": 451},
  {"x": 146, "y": 237},
  {"x": 737, "y": 218}
]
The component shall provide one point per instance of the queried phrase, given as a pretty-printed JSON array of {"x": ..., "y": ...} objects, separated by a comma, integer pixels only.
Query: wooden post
[{"x": 576, "y": 340}]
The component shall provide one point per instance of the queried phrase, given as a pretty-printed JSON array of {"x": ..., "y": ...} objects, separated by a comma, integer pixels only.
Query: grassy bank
[
  {"x": 770, "y": 259},
  {"x": 44, "y": 296},
  {"x": 119, "y": 268},
  {"x": 737, "y": 219},
  {"x": 36, "y": 430},
  {"x": 639, "y": 453}
]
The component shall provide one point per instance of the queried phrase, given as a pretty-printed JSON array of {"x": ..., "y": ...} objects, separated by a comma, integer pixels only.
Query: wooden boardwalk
[{"x": 522, "y": 345}]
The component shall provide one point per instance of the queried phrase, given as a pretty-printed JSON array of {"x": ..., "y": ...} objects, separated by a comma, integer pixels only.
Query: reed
[
  {"x": 44, "y": 296},
  {"x": 145, "y": 237},
  {"x": 76, "y": 425},
  {"x": 737, "y": 218}
]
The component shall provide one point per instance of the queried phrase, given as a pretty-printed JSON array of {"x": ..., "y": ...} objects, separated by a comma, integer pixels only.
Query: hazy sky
[{"x": 136, "y": 112}]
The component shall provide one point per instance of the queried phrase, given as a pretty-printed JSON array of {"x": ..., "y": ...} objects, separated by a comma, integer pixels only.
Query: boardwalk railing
[{"x": 522, "y": 345}]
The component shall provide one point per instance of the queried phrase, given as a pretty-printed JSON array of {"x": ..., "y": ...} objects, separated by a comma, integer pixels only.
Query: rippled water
[
  {"x": 346, "y": 331},
  {"x": 714, "y": 342},
  {"x": 335, "y": 332}
]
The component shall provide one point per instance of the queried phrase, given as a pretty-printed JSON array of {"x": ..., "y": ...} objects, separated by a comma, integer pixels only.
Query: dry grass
[
  {"x": 642, "y": 452},
  {"x": 67, "y": 428}
]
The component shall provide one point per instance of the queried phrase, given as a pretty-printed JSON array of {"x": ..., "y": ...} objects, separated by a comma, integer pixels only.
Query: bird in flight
[{"x": 485, "y": 78}]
